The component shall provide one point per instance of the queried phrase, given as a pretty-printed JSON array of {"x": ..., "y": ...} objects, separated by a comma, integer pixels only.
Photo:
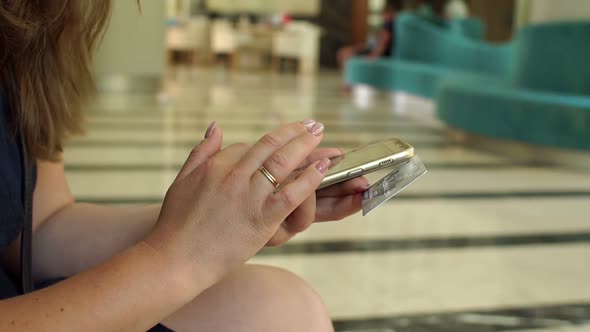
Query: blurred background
[{"x": 494, "y": 96}]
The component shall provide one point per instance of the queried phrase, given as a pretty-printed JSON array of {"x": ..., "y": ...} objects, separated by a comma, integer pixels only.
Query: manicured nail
[
  {"x": 210, "y": 129},
  {"x": 309, "y": 123},
  {"x": 323, "y": 166},
  {"x": 317, "y": 129}
]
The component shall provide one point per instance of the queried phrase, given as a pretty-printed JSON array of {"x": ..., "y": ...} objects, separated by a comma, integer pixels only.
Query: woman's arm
[
  {"x": 131, "y": 292},
  {"x": 81, "y": 236},
  {"x": 72, "y": 237},
  {"x": 192, "y": 247}
]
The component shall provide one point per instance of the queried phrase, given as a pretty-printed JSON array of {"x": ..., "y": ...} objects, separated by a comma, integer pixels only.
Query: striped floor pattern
[{"x": 479, "y": 244}]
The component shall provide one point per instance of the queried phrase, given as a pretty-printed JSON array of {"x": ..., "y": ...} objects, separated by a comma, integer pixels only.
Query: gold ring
[{"x": 269, "y": 176}]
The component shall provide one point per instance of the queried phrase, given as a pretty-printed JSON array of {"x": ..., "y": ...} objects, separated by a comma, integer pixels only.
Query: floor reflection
[{"x": 480, "y": 244}]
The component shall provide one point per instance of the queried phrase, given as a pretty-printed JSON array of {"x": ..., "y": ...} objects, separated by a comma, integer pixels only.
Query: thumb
[{"x": 203, "y": 151}]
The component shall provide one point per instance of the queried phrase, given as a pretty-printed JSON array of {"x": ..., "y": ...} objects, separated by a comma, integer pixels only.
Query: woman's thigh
[{"x": 255, "y": 298}]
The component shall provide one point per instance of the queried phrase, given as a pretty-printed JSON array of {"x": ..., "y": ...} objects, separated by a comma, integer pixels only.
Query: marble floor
[{"x": 479, "y": 244}]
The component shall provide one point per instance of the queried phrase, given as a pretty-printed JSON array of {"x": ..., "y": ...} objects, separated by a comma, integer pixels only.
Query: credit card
[{"x": 401, "y": 176}]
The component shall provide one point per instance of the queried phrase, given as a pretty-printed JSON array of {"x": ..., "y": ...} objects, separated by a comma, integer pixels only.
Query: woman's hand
[
  {"x": 329, "y": 204},
  {"x": 221, "y": 210}
]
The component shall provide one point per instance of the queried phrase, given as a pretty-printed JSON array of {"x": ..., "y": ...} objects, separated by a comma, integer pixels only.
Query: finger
[
  {"x": 302, "y": 217},
  {"x": 281, "y": 237},
  {"x": 282, "y": 203},
  {"x": 317, "y": 154},
  {"x": 337, "y": 208},
  {"x": 235, "y": 152},
  {"x": 296, "y": 222},
  {"x": 287, "y": 158},
  {"x": 320, "y": 154},
  {"x": 271, "y": 142},
  {"x": 354, "y": 186},
  {"x": 205, "y": 150}
]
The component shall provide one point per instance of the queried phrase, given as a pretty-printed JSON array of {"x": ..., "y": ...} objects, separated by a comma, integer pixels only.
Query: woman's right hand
[{"x": 221, "y": 210}]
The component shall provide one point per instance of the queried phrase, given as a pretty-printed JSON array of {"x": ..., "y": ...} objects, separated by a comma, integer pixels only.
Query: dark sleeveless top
[
  {"x": 11, "y": 180},
  {"x": 12, "y": 212}
]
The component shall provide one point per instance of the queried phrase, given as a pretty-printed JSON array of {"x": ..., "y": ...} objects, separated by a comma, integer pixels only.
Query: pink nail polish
[
  {"x": 317, "y": 129},
  {"x": 210, "y": 129},
  {"x": 323, "y": 166},
  {"x": 309, "y": 123}
]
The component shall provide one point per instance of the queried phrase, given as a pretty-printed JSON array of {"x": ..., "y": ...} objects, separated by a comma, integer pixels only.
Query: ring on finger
[{"x": 270, "y": 177}]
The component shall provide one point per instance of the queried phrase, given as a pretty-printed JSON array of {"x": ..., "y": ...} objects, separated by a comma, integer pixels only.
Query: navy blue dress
[
  {"x": 12, "y": 212},
  {"x": 12, "y": 187}
]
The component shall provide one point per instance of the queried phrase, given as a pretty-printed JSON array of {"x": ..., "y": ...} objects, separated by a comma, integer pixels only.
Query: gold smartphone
[{"x": 367, "y": 159}]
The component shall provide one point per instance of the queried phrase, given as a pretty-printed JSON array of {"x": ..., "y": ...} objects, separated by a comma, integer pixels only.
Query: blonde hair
[{"x": 46, "y": 52}]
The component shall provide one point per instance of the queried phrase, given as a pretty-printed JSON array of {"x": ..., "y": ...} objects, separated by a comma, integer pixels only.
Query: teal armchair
[
  {"x": 545, "y": 99},
  {"x": 426, "y": 53}
]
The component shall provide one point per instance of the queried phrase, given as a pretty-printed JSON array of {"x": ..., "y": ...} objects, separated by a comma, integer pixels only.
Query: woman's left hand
[{"x": 329, "y": 204}]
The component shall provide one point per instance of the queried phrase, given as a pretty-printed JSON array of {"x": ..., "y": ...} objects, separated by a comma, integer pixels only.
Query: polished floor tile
[
  {"x": 448, "y": 219},
  {"x": 383, "y": 284},
  {"x": 481, "y": 244},
  {"x": 145, "y": 156},
  {"x": 152, "y": 183},
  {"x": 584, "y": 328}
]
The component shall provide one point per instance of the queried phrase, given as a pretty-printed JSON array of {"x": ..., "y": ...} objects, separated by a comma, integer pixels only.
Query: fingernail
[
  {"x": 323, "y": 166},
  {"x": 317, "y": 129},
  {"x": 210, "y": 129},
  {"x": 309, "y": 123}
]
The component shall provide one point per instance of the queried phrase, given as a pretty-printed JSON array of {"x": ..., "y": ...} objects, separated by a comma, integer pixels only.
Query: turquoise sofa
[
  {"x": 425, "y": 53},
  {"x": 469, "y": 27},
  {"x": 545, "y": 99}
]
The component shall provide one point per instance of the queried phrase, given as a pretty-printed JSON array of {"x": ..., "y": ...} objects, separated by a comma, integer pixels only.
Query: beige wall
[
  {"x": 539, "y": 11},
  {"x": 134, "y": 42},
  {"x": 303, "y": 7}
]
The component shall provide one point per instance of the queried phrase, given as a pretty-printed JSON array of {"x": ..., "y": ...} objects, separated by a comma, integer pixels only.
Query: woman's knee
[
  {"x": 285, "y": 296},
  {"x": 256, "y": 298}
]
